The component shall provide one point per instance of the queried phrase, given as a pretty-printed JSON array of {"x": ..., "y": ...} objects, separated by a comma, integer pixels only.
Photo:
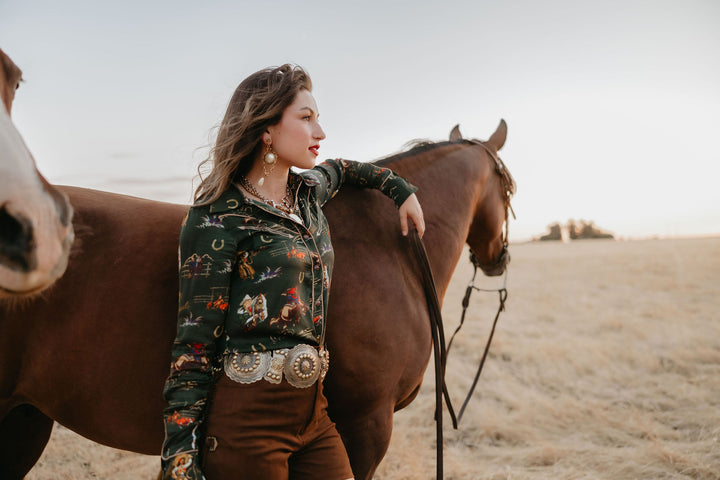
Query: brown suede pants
[{"x": 266, "y": 431}]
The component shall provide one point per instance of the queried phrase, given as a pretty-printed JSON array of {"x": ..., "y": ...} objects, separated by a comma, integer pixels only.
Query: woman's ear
[{"x": 266, "y": 138}]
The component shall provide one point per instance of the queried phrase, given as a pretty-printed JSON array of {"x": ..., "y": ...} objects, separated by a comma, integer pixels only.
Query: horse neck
[{"x": 449, "y": 180}]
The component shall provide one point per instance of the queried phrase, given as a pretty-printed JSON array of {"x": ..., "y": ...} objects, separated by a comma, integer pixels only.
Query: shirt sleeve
[
  {"x": 332, "y": 174},
  {"x": 206, "y": 257}
]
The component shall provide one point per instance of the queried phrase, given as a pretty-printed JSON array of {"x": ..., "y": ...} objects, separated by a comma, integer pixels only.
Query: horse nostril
[{"x": 16, "y": 242}]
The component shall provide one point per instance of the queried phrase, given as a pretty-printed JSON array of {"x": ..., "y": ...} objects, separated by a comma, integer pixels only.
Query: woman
[{"x": 245, "y": 383}]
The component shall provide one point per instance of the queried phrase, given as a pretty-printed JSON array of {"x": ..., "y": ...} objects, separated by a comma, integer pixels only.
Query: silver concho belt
[{"x": 302, "y": 365}]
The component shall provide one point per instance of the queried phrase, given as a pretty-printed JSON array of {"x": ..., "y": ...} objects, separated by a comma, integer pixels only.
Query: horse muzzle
[
  {"x": 496, "y": 268},
  {"x": 34, "y": 246}
]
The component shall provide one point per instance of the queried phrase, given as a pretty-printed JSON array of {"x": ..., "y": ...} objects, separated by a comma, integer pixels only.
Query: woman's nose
[{"x": 319, "y": 133}]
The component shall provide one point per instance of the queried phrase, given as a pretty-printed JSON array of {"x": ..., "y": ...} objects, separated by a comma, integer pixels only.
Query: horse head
[
  {"x": 35, "y": 219},
  {"x": 487, "y": 240}
]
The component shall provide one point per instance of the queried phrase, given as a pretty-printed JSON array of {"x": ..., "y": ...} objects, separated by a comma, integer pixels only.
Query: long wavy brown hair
[{"x": 258, "y": 103}]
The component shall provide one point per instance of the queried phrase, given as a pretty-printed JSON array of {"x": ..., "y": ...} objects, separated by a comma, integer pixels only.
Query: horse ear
[
  {"x": 497, "y": 139},
  {"x": 455, "y": 134}
]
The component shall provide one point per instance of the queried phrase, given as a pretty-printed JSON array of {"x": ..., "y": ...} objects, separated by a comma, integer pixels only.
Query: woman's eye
[{"x": 307, "y": 117}]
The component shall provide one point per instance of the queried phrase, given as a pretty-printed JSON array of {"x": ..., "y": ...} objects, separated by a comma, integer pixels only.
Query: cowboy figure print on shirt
[
  {"x": 196, "y": 265},
  {"x": 255, "y": 308},
  {"x": 178, "y": 419},
  {"x": 291, "y": 312},
  {"x": 244, "y": 260},
  {"x": 180, "y": 466},
  {"x": 195, "y": 359},
  {"x": 218, "y": 304}
]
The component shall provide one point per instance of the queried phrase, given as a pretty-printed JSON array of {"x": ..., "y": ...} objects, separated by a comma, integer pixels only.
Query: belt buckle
[
  {"x": 277, "y": 362},
  {"x": 302, "y": 366}
]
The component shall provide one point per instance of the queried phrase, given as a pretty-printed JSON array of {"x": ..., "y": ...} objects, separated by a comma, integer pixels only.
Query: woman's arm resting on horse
[
  {"x": 332, "y": 174},
  {"x": 339, "y": 172}
]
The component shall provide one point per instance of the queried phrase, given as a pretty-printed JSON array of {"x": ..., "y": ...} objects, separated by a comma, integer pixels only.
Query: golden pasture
[{"x": 605, "y": 365}]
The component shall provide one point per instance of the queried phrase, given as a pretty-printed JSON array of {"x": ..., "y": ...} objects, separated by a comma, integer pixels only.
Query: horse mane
[
  {"x": 418, "y": 146},
  {"x": 413, "y": 147}
]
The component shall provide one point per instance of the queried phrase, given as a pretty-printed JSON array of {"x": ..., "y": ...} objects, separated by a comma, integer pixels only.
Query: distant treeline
[{"x": 575, "y": 231}]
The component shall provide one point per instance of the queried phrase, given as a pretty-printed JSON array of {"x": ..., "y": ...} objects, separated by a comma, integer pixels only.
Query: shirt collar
[{"x": 233, "y": 198}]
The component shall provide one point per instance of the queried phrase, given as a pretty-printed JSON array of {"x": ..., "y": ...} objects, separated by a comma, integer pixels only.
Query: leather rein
[{"x": 440, "y": 351}]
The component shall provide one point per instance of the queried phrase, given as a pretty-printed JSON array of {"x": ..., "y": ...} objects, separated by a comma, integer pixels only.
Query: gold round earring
[{"x": 269, "y": 160}]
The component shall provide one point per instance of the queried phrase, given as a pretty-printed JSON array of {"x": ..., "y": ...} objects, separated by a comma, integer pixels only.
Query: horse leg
[
  {"x": 366, "y": 440},
  {"x": 24, "y": 432}
]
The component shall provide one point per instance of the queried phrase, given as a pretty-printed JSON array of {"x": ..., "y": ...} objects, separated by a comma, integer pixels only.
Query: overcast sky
[{"x": 613, "y": 107}]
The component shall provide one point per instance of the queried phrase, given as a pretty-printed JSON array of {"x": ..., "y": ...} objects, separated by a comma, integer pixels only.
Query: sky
[{"x": 613, "y": 107}]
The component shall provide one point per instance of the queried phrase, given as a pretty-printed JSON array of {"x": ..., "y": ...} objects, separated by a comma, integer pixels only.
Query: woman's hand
[{"x": 411, "y": 208}]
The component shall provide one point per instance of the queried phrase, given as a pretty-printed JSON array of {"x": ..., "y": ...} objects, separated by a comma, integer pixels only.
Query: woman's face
[{"x": 296, "y": 138}]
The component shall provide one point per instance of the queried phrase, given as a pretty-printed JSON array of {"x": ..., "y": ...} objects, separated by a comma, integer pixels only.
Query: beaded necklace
[{"x": 285, "y": 204}]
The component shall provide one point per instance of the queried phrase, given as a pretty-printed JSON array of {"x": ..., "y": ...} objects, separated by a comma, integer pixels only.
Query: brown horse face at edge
[
  {"x": 35, "y": 219},
  {"x": 94, "y": 352},
  {"x": 487, "y": 240}
]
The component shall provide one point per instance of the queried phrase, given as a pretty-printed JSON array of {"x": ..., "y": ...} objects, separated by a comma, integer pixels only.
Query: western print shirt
[{"x": 252, "y": 278}]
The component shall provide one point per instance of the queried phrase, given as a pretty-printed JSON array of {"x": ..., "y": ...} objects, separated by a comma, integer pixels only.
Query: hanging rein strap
[
  {"x": 439, "y": 352},
  {"x": 502, "y": 296},
  {"x": 436, "y": 325},
  {"x": 437, "y": 330}
]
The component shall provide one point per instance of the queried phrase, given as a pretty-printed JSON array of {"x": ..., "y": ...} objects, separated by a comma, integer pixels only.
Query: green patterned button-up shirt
[{"x": 252, "y": 278}]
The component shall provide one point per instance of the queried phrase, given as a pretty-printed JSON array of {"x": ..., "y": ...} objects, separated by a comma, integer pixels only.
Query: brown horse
[
  {"x": 93, "y": 354},
  {"x": 35, "y": 228}
]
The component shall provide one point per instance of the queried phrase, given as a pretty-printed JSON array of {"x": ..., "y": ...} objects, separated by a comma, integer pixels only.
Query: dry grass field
[{"x": 605, "y": 365}]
